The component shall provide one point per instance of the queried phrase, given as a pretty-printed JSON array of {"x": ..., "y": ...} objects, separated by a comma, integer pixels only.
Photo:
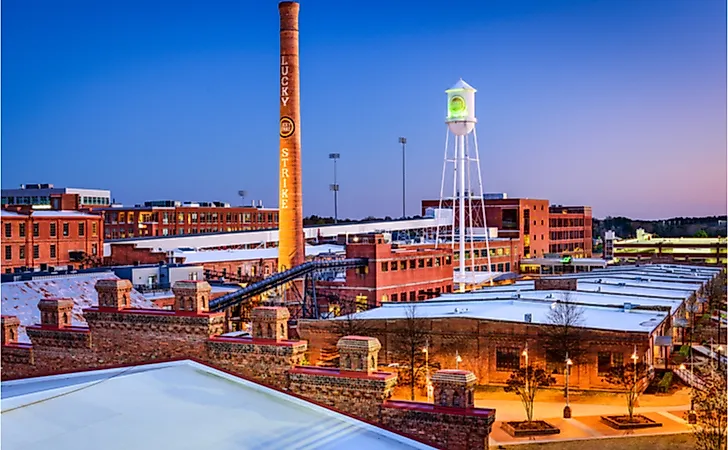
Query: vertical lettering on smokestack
[{"x": 291, "y": 245}]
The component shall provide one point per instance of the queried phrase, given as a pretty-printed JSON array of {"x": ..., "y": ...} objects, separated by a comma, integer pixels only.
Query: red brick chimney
[
  {"x": 55, "y": 312},
  {"x": 270, "y": 322},
  {"x": 358, "y": 353},
  {"x": 114, "y": 293},
  {"x": 192, "y": 296},
  {"x": 454, "y": 388},
  {"x": 10, "y": 326}
]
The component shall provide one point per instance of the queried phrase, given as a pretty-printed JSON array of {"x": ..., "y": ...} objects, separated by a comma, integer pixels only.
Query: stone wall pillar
[
  {"x": 114, "y": 293},
  {"x": 10, "y": 326}
]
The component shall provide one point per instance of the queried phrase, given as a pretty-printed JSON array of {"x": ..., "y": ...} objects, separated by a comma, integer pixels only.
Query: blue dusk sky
[{"x": 617, "y": 104}]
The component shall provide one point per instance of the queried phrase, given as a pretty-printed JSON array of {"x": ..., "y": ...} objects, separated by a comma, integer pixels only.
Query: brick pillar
[
  {"x": 358, "y": 353},
  {"x": 10, "y": 326},
  {"x": 114, "y": 293},
  {"x": 454, "y": 388},
  {"x": 192, "y": 296},
  {"x": 55, "y": 312},
  {"x": 270, "y": 322}
]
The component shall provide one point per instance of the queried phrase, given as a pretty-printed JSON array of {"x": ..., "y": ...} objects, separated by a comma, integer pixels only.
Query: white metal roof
[
  {"x": 180, "y": 405},
  {"x": 515, "y": 310},
  {"x": 591, "y": 298},
  {"x": 208, "y": 256},
  {"x": 201, "y": 241},
  {"x": 461, "y": 84},
  {"x": 73, "y": 214}
]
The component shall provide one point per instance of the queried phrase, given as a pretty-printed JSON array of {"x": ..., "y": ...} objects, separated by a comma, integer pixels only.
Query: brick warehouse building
[
  {"x": 540, "y": 228},
  {"x": 48, "y": 239},
  {"x": 169, "y": 218}
]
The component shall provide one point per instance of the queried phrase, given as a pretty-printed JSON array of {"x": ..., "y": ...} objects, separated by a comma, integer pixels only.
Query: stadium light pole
[
  {"x": 335, "y": 187},
  {"x": 403, "y": 141}
]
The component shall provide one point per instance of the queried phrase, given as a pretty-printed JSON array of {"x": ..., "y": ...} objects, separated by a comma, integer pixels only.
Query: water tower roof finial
[{"x": 460, "y": 86}]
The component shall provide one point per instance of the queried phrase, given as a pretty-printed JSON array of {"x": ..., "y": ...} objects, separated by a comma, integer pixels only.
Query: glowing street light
[
  {"x": 458, "y": 359},
  {"x": 428, "y": 384},
  {"x": 525, "y": 353},
  {"x": 567, "y": 408}
]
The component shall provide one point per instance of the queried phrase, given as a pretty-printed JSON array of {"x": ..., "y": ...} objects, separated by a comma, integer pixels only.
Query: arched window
[
  {"x": 12, "y": 334},
  {"x": 190, "y": 304},
  {"x": 374, "y": 363},
  {"x": 65, "y": 318},
  {"x": 470, "y": 398},
  {"x": 443, "y": 398},
  {"x": 347, "y": 362},
  {"x": 456, "y": 399},
  {"x": 283, "y": 331}
]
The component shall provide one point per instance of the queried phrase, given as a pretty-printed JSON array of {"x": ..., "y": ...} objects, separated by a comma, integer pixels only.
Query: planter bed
[
  {"x": 524, "y": 429},
  {"x": 623, "y": 423}
]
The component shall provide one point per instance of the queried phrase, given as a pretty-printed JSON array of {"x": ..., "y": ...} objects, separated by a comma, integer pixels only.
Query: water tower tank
[{"x": 461, "y": 108}]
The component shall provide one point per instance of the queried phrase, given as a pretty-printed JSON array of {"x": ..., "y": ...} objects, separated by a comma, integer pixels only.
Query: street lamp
[
  {"x": 458, "y": 359},
  {"x": 428, "y": 384},
  {"x": 335, "y": 187},
  {"x": 403, "y": 141},
  {"x": 634, "y": 359},
  {"x": 525, "y": 353},
  {"x": 567, "y": 408}
]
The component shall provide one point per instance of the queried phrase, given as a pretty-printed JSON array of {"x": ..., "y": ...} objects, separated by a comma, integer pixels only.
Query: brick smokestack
[{"x": 291, "y": 245}]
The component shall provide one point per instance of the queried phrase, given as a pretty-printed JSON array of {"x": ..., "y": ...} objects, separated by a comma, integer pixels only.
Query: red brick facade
[
  {"x": 524, "y": 219},
  {"x": 128, "y": 222},
  {"x": 47, "y": 239},
  {"x": 571, "y": 230},
  {"x": 479, "y": 343}
]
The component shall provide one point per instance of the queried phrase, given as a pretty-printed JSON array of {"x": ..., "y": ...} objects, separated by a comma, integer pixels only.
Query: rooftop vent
[
  {"x": 527, "y": 318},
  {"x": 628, "y": 307}
]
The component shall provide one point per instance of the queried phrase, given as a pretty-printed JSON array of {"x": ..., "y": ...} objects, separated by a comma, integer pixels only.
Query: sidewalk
[{"x": 591, "y": 427}]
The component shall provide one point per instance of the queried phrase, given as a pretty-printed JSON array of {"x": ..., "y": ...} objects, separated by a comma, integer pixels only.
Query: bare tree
[
  {"x": 710, "y": 406},
  {"x": 409, "y": 340},
  {"x": 629, "y": 377},
  {"x": 565, "y": 333},
  {"x": 526, "y": 382}
]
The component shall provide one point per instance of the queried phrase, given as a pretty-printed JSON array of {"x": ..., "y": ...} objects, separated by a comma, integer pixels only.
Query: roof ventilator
[{"x": 527, "y": 318}]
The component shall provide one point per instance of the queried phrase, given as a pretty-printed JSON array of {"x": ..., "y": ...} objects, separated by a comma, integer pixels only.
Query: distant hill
[{"x": 625, "y": 227}]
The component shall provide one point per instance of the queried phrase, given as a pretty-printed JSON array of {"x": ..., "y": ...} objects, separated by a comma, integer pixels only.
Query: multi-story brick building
[
  {"x": 47, "y": 239},
  {"x": 174, "y": 218},
  {"x": 570, "y": 230},
  {"x": 524, "y": 219},
  {"x": 41, "y": 194},
  {"x": 395, "y": 273}
]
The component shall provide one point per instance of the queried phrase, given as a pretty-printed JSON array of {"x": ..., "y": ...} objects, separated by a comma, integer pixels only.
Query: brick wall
[
  {"x": 450, "y": 428},
  {"x": 555, "y": 284},
  {"x": 357, "y": 394},
  {"x": 124, "y": 254},
  {"x": 261, "y": 359},
  {"x": 477, "y": 342}
]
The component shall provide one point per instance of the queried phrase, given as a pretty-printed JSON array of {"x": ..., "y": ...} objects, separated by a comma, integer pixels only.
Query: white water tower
[{"x": 461, "y": 122}]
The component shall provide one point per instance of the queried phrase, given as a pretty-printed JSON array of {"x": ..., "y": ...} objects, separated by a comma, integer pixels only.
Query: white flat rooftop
[
  {"x": 211, "y": 240},
  {"x": 514, "y": 310},
  {"x": 550, "y": 296},
  {"x": 209, "y": 256},
  {"x": 180, "y": 405}
]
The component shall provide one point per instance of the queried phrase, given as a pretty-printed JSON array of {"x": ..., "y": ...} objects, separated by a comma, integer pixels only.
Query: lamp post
[
  {"x": 634, "y": 374},
  {"x": 458, "y": 359},
  {"x": 403, "y": 141},
  {"x": 525, "y": 353},
  {"x": 567, "y": 408},
  {"x": 335, "y": 187},
  {"x": 428, "y": 384}
]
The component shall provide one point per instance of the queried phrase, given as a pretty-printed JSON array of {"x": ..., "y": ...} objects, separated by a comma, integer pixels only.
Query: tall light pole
[
  {"x": 525, "y": 353},
  {"x": 567, "y": 408},
  {"x": 428, "y": 384},
  {"x": 335, "y": 187},
  {"x": 458, "y": 359},
  {"x": 403, "y": 141}
]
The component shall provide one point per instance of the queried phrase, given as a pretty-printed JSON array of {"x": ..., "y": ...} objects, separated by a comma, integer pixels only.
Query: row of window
[
  {"x": 95, "y": 201},
  {"x": 421, "y": 263},
  {"x": 483, "y": 253},
  {"x": 509, "y": 359},
  {"x": 484, "y": 268},
  {"x": 420, "y": 295},
  {"x": 167, "y": 217},
  {"x": 562, "y": 223},
  {"x": 570, "y": 247},
  {"x": 36, "y": 251},
  {"x": 560, "y": 235},
  {"x": 53, "y": 229},
  {"x": 130, "y": 233}
]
